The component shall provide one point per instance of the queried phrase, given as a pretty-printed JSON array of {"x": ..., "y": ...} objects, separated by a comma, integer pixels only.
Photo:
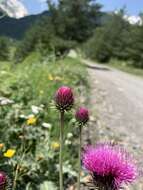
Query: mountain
[
  {"x": 13, "y": 8},
  {"x": 16, "y": 28}
]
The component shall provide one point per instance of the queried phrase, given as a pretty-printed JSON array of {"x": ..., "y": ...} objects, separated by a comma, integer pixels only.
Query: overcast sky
[{"x": 134, "y": 7}]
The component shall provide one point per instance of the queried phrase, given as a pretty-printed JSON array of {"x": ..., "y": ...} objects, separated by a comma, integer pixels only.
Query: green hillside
[{"x": 16, "y": 28}]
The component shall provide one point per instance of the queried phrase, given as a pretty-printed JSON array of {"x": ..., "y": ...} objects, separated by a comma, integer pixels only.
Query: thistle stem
[
  {"x": 61, "y": 150},
  {"x": 20, "y": 161},
  {"x": 15, "y": 178},
  {"x": 79, "y": 156}
]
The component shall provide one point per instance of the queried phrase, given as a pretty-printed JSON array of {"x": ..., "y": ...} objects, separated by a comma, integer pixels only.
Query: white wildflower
[
  {"x": 22, "y": 116},
  {"x": 67, "y": 142},
  {"x": 36, "y": 109},
  {"x": 5, "y": 101},
  {"x": 47, "y": 125},
  {"x": 69, "y": 135}
]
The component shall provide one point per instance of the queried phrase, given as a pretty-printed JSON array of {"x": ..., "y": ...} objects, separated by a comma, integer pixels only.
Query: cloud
[
  {"x": 42, "y": 1},
  {"x": 133, "y": 19},
  {"x": 14, "y": 8}
]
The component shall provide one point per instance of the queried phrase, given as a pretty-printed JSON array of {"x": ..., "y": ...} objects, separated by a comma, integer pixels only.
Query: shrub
[
  {"x": 97, "y": 47},
  {"x": 4, "y": 48},
  {"x": 42, "y": 38}
]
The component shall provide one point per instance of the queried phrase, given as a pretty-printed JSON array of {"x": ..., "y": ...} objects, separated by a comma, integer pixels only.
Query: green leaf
[{"x": 48, "y": 185}]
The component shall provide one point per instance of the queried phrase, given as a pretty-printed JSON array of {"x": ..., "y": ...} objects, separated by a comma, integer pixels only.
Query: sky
[
  {"x": 35, "y": 6},
  {"x": 133, "y": 7}
]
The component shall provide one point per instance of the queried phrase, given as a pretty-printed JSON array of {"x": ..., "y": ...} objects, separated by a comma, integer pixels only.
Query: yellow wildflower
[
  {"x": 58, "y": 78},
  {"x": 41, "y": 92},
  {"x": 32, "y": 120},
  {"x": 55, "y": 145},
  {"x": 50, "y": 77},
  {"x": 1, "y": 145},
  {"x": 9, "y": 153}
]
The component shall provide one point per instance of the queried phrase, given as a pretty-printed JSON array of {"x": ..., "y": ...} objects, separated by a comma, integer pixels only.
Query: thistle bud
[
  {"x": 82, "y": 115},
  {"x": 64, "y": 98},
  {"x": 3, "y": 180}
]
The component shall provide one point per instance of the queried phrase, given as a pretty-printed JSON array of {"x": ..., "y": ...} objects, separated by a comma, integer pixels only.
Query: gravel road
[{"x": 116, "y": 103}]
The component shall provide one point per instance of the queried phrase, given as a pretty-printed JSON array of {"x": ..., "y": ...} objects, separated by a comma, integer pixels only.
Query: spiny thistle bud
[
  {"x": 3, "y": 180},
  {"x": 64, "y": 98},
  {"x": 110, "y": 166},
  {"x": 82, "y": 115}
]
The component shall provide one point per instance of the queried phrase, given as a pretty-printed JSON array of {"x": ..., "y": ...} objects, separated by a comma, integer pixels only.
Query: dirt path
[{"x": 116, "y": 103}]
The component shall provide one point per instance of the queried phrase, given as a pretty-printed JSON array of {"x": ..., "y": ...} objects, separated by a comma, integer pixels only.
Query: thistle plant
[
  {"x": 82, "y": 117},
  {"x": 110, "y": 166},
  {"x": 4, "y": 181},
  {"x": 64, "y": 100}
]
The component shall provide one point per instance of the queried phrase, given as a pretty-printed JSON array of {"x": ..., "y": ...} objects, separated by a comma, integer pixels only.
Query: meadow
[{"x": 29, "y": 127}]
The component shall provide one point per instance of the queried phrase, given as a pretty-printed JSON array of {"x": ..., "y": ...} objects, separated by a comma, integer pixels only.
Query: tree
[
  {"x": 42, "y": 37},
  {"x": 4, "y": 48},
  {"x": 135, "y": 48},
  {"x": 75, "y": 20},
  {"x": 98, "y": 47},
  {"x": 66, "y": 24},
  {"x": 110, "y": 40}
]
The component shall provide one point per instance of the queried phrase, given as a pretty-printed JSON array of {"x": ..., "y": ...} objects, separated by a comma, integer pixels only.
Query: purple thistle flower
[
  {"x": 82, "y": 115},
  {"x": 110, "y": 166},
  {"x": 64, "y": 98},
  {"x": 3, "y": 180}
]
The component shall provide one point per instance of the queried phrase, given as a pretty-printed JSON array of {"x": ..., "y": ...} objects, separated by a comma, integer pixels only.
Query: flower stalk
[
  {"x": 64, "y": 100},
  {"x": 23, "y": 151},
  {"x": 82, "y": 117},
  {"x": 79, "y": 156},
  {"x": 61, "y": 149}
]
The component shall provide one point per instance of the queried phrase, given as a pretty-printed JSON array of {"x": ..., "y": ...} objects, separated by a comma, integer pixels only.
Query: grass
[
  {"x": 126, "y": 67},
  {"x": 35, "y": 81}
]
